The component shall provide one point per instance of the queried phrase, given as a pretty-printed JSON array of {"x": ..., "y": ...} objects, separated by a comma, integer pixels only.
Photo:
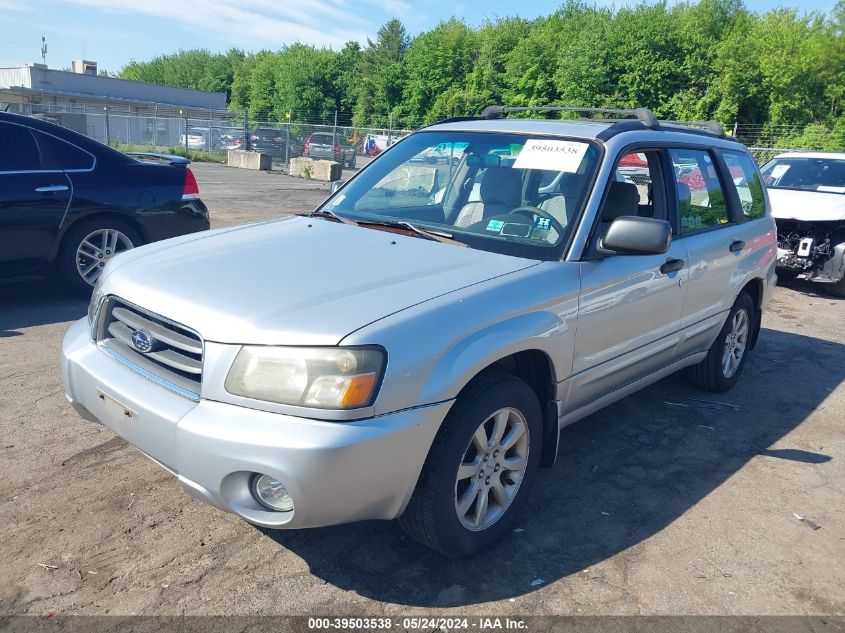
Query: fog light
[{"x": 272, "y": 493}]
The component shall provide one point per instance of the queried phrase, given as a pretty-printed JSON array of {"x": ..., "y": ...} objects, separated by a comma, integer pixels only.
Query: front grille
[{"x": 174, "y": 358}]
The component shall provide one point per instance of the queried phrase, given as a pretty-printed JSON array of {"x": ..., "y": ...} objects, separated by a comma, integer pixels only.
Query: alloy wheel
[
  {"x": 735, "y": 342},
  {"x": 97, "y": 248},
  {"x": 492, "y": 469}
]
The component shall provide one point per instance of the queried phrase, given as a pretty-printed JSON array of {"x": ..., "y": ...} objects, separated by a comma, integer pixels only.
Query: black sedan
[{"x": 69, "y": 203}]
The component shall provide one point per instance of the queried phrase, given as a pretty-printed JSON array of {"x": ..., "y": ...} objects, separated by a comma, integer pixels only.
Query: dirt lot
[{"x": 653, "y": 508}]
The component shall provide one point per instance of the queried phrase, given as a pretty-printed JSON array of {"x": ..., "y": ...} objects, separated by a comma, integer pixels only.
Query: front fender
[{"x": 471, "y": 355}]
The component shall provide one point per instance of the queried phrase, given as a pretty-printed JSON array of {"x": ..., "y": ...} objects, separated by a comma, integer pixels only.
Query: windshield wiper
[
  {"x": 331, "y": 215},
  {"x": 437, "y": 236}
]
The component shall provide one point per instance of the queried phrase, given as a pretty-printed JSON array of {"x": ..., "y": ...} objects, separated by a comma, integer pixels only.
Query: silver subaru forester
[{"x": 412, "y": 348}]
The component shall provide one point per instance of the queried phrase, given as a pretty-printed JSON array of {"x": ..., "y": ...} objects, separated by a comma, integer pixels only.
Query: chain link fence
[
  {"x": 208, "y": 134},
  {"x": 765, "y": 141},
  {"x": 763, "y": 155}
]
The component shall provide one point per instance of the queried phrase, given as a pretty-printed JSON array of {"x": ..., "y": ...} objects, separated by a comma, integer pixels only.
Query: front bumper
[{"x": 336, "y": 472}]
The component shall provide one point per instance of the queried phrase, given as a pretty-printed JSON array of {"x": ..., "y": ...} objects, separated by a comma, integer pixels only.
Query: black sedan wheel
[{"x": 88, "y": 247}]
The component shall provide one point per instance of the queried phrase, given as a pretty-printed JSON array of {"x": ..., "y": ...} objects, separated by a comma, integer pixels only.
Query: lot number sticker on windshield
[{"x": 551, "y": 155}]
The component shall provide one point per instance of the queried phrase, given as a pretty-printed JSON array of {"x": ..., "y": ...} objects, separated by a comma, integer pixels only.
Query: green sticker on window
[{"x": 495, "y": 225}]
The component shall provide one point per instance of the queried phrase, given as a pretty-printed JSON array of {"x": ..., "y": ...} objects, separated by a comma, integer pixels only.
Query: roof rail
[
  {"x": 644, "y": 115},
  {"x": 714, "y": 127}
]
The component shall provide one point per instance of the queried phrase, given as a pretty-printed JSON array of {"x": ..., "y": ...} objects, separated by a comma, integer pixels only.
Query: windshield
[
  {"x": 506, "y": 193},
  {"x": 809, "y": 174}
]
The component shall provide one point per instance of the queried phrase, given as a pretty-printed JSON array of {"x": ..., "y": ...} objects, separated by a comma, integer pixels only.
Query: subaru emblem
[{"x": 142, "y": 340}]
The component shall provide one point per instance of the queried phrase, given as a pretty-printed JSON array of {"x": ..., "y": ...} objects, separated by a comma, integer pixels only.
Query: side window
[
  {"x": 24, "y": 152},
  {"x": 635, "y": 188},
  {"x": 57, "y": 154},
  {"x": 636, "y": 168},
  {"x": 701, "y": 201},
  {"x": 748, "y": 184}
]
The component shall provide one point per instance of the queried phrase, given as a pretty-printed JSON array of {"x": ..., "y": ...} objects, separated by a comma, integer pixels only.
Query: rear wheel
[
  {"x": 88, "y": 247},
  {"x": 480, "y": 466},
  {"x": 726, "y": 357}
]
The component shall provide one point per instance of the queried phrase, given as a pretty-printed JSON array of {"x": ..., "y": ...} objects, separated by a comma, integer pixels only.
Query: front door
[{"x": 631, "y": 305}]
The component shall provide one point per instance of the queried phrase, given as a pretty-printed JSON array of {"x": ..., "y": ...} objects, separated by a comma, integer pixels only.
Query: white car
[
  {"x": 807, "y": 194},
  {"x": 196, "y": 138}
]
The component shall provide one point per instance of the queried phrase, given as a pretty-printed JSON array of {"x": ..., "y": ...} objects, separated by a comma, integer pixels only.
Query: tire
[
  {"x": 432, "y": 515},
  {"x": 717, "y": 373},
  {"x": 72, "y": 263}
]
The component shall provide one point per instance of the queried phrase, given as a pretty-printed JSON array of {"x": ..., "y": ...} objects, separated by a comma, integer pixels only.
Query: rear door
[
  {"x": 717, "y": 243},
  {"x": 34, "y": 196}
]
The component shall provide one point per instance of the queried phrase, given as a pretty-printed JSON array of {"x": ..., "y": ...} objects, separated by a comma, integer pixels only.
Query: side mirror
[
  {"x": 336, "y": 184},
  {"x": 634, "y": 235}
]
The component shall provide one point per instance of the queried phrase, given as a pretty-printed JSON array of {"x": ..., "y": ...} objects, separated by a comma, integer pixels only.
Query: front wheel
[
  {"x": 480, "y": 466},
  {"x": 726, "y": 357},
  {"x": 88, "y": 247}
]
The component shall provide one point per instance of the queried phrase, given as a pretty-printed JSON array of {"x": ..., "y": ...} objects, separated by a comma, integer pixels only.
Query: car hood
[
  {"x": 806, "y": 206},
  {"x": 294, "y": 281}
]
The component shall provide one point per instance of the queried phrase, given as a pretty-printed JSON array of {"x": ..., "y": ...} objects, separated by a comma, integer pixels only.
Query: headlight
[
  {"x": 319, "y": 377},
  {"x": 94, "y": 307}
]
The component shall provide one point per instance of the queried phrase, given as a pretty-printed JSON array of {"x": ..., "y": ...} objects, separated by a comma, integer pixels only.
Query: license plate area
[{"x": 116, "y": 411}]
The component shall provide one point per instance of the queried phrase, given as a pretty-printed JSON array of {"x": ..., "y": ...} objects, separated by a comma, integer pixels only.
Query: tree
[
  {"x": 380, "y": 74},
  {"x": 690, "y": 60},
  {"x": 436, "y": 64}
]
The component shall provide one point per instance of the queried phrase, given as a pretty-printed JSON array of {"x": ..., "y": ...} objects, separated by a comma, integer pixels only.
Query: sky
[{"x": 114, "y": 32}]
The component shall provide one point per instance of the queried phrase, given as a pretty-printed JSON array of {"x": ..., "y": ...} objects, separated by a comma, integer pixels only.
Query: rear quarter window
[
  {"x": 20, "y": 153},
  {"x": 748, "y": 184},
  {"x": 57, "y": 154}
]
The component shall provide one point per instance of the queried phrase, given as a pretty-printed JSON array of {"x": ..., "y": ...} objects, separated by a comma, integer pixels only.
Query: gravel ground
[{"x": 652, "y": 508}]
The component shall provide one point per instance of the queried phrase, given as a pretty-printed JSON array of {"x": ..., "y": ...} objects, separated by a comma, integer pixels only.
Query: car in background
[
  {"x": 445, "y": 153},
  {"x": 268, "y": 140},
  {"x": 197, "y": 138},
  {"x": 324, "y": 146},
  {"x": 215, "y": 138},
  {"x": 807, "y": 194},
  {"x": 69, "y": 203}
]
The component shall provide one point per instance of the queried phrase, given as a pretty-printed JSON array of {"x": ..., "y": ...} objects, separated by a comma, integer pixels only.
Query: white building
[{"x": 106, "y": 107}]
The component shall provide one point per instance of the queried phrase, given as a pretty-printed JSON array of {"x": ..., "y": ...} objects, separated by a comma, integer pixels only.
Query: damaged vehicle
[{"x": 807, "y": 195}]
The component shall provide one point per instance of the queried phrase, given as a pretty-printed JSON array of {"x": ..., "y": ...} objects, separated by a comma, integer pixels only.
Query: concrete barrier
[
  {"x": 325, "y": 170},
  {"x": 250, "y": 160}
]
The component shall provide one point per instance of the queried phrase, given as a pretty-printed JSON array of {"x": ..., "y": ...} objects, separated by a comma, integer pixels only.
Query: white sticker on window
[{"x": 551, "y": 155}]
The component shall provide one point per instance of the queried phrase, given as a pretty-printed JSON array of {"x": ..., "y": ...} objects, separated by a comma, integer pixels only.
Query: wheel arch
[
  {"x": 754, "y": 289},
  {"x": 70, "y": 226},
  {"x": 536, "y": 368}
]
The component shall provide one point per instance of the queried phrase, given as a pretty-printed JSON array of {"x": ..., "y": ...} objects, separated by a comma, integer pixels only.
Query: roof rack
[
  {"x": 711, "y": 126},
  {"x": 643, "y": 115}
]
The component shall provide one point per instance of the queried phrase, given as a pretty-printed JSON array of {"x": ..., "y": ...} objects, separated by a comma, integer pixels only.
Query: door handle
[
  {"x": 672, "y": 264},
  {"x": 736, "y": 246},
  {"x": 51, "y": 188}
]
